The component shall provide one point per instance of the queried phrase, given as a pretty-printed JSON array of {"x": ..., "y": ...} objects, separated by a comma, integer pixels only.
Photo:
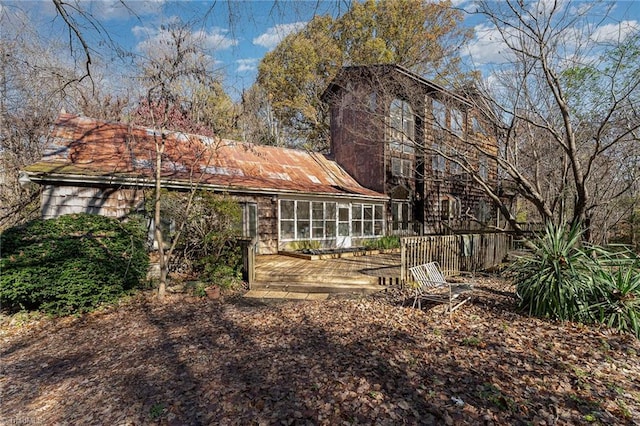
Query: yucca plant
[
  {"x": 617, "y": 301},
  {"x": 555, "y": 281}
]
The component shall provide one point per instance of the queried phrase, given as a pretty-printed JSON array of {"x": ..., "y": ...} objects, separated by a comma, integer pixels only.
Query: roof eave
[{"x": 140, "y": 181}]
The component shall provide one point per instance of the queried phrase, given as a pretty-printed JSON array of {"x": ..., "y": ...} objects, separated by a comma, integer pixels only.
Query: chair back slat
[
  {"x": 428, "y": 275},
  {"x": 433, "y": 271}
]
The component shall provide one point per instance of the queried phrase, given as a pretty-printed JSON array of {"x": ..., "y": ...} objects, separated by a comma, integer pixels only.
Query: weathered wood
[
  {"x": 361, "y": 274},
  {"x": 249, "y": 260},
  {"x": 454, "y": 253},
  {"x": 111, "y": 202}
]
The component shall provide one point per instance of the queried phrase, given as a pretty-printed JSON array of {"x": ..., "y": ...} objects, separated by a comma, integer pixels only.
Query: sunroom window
[
  {"x": 307, "y": 220},
  {"x": 367, "y": 220}
]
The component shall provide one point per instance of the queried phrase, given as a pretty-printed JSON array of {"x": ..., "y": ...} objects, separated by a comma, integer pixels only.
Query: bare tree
[
  {"x": 569, "y": 99},
  {"x": 35, "y": 85},
  {"x": 176, "y": 72}
]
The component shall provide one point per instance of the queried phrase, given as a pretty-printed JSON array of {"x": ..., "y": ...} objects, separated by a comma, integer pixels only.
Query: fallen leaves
[{"x": 343, "y": 361}]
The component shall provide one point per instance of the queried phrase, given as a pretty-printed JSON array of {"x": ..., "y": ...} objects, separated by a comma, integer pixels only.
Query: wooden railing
[
  {"x": 248, "y": 246},
  {"x": 454, "y": 253}
]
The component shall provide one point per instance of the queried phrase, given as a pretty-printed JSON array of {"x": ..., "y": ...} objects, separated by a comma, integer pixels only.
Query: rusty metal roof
[{"x": 97, "y": 150}]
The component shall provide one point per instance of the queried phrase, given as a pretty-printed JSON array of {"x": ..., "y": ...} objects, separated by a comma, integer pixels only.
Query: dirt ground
[{"x": 348, "y": 360}]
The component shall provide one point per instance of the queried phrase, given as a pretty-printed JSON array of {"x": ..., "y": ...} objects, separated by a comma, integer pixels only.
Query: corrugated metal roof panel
[{"x": 80, "y": 145}]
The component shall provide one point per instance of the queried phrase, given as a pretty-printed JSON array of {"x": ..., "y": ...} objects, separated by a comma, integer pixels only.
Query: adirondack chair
[{"x": 432, "y": 286}]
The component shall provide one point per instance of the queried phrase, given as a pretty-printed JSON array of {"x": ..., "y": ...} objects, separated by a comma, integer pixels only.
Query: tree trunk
[{"x": 157, "y": 218}]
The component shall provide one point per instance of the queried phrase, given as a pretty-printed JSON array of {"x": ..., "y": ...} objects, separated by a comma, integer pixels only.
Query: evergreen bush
[
  {"x": 71, "y": 264},
  {"x": 564, "y": 279},
  {"x": 554, "y": 281}
]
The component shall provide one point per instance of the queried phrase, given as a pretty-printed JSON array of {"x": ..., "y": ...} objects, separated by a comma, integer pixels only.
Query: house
[
  {"x": 395, "y": 139},
  {"x": 416, "y": 142},
  {"x": 287, "y": 195}
]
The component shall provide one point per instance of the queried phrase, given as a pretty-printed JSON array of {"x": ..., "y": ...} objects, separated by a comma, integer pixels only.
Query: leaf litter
[{"x": 348, "y": 360}]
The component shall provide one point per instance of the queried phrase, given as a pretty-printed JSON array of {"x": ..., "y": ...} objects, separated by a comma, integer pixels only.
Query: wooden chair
[{"x": 433, "y": 287}]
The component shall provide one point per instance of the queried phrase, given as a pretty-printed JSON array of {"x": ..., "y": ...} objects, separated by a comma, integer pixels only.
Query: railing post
[
  {"x": 249, "y": 260},
  {"x": 403, "y": 260}
]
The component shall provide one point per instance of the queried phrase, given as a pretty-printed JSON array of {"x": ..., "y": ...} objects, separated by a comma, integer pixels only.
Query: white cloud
[
  {"x": 274, "y": 35},
  {"x": 487, "y": 47},
  {"x": 250, "y": 64},
  {"x": 215, "y": 39},
  {"x": 155, "y": 38},
  {"x": 615, "y": 32}
]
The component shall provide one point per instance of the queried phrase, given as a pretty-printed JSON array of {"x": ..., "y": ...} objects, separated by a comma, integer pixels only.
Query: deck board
[{"x": 348, "y": 274}]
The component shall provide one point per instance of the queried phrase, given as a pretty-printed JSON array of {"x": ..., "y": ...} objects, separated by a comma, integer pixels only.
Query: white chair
[{"x": 432, "y": 286}]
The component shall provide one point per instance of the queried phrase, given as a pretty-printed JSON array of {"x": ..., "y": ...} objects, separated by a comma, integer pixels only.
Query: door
[{"x": 344, "y": 225}]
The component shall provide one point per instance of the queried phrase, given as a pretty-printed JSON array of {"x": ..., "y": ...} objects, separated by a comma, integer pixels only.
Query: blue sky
[{"x": 238, "y": 33}]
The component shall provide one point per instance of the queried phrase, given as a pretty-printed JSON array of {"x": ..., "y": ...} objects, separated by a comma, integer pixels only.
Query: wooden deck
[{"x": 357, "y": 274}]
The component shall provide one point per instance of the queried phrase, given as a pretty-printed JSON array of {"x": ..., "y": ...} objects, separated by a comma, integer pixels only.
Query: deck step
[
  {"x": 312, "y": 280},
  {"x": 317, "y": 287}
]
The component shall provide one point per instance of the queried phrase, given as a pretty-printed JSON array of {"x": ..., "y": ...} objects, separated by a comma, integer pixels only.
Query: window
[
  {"x": 439, "y": 115},
  {"x": 306, "y": 220},
  {"x": 401, "y": 138},
  {"x": 302, "y": 220},
  {"x": 356, "y": 220},
  {"x": 317, "y": 220},
  {"x": 287, "y": 220},
  {"x": 401, "y": 215},
  {"x": 330, "y": 220},
  {"x": 401, "y": 167},
  {"x": 249, "y": 220},
  {"x": 401, "y": 127},
  {"x": 457, "y": 122},
  {"x": 438, "y": 161},
  {"x": 483, "y": 169},
  {"x": 444, "y": 209},
  {"x": 378, "y": 220},
  {"x": 476, "y": 126},
  {"x": 450, "y": 208},
  {"x": 455, "y": 167},
  {"x": 483, "y": 211},
  {"x": 367, "y": 220}
]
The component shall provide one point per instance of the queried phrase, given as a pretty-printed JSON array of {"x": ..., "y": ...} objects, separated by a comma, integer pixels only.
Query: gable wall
[
  {"x": 110, "y": 202},
  {"x": 357, "y": 145}
]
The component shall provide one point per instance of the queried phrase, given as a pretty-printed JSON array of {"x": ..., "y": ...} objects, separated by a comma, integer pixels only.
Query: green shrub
[
  {"x": 383, "y": 243},
  {"x": 565, "y": 280},
  {"x": 306, "y": 245},
  {"x": 617, "y": 302},
  {"x": 554, "y": 281},
  {"x": 208, "y": 243},
  {"x": 71, "y": 264}
]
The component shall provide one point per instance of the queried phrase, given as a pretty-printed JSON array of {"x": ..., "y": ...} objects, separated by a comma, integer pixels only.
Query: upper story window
[
  {"x": 457, "y": 122},
  {"x": 401, "y": 127},
  {"x": 438, "y": 162},
  {"x": 401, "y": 167},
  {"x": 439, "y": 115},
  {"x": 476, "y": 126},
  {"x": 483, "y": 167}
]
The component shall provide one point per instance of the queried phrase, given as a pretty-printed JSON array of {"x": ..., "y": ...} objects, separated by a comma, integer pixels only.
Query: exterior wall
[
  {"x": 428, "y": 192},
  {"x": 111, "y": 202},
  {"x": 357, "y": 145},
  {"x": 60, "y": 200},
  {"x": 267, "y": 221},
  {"x": 117, "y": 203},
  {"x": 452, "y": 184}
]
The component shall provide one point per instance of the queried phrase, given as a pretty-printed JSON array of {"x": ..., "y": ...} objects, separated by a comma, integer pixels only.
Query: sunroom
[{"x": 328, "y": 223}]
